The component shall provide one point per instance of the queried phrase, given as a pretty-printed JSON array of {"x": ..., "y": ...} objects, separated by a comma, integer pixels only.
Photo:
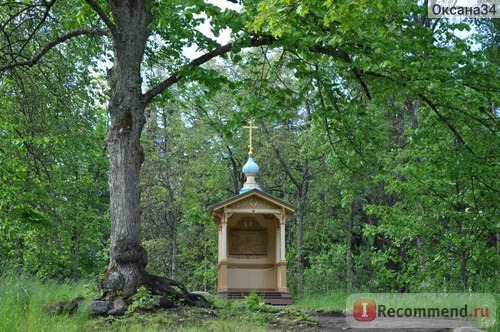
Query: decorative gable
[{"x": 253, "y": 203}]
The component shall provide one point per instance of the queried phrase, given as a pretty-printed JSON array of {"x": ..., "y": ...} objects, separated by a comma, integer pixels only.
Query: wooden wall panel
[{"x": 259, "y": 279}]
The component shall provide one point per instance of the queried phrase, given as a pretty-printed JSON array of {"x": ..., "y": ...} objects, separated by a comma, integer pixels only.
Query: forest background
[{"x": 379, "y": 124}]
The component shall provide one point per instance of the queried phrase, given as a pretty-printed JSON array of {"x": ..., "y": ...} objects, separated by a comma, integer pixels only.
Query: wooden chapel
[{"x": 252, "y": 240}]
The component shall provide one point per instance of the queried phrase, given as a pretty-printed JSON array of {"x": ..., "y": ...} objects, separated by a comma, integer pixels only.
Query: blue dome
[{"x": 250, "y": 166}]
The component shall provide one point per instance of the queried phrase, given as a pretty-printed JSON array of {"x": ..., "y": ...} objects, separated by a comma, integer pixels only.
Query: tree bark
[
  {"x": 126, "y": 110},
  {"x": 301, "y": 259},
  {"x": 128, "y": 259},
  {"x": 349, "y": 253}
]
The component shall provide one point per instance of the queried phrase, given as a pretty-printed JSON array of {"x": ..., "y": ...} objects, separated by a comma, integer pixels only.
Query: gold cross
[{"x": 250, "y": 127}]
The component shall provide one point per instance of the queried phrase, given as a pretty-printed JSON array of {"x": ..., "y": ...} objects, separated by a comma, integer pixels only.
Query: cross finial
[{"x": 250, "y": 127}]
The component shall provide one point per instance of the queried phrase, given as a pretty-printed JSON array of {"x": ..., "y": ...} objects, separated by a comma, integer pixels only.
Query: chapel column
[
  {"x": 282, "y": 241},
  {"x": 224, "y": 238},
  {"x": 278, "y": 243},
  {"x": 219, "y": 247},
  {"x": 281, "y": 266},
  {"x": 222, "y": 280}
]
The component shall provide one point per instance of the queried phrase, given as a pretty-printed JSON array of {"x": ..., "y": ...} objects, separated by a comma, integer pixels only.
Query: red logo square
[{"x": 365, "y": 310}]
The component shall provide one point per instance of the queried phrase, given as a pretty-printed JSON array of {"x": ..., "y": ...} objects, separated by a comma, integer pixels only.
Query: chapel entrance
[{"x": 252, "y": 253}]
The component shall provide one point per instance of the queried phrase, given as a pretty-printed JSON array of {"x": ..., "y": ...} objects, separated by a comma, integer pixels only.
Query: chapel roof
[{"x": 289, "y": 208}]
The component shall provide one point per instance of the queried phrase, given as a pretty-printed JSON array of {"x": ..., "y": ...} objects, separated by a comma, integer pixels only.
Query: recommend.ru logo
[
  {"x": 364, "y": 310},
  {"x": 389, "y": 310}
]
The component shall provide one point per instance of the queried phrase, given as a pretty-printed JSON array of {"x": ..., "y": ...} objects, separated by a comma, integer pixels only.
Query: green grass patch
[
  {"x": 179, "y": 319},
  {"x": 328, "y": 302},
  {"x": 226, "y": 315},
  {"x": 24, "y": 300}
]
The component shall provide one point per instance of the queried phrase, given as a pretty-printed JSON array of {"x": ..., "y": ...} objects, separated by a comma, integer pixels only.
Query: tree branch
[
  {"x": 358, "y": 73},
  {"x": 277, "y": 153},
  {"x": 331, "y": 52},
  {"x": 45, "y": 15},
  {"x": 267, "y": 40},
  {"x": 100, "y": 12},
  {"x": 176, "y": 77},
  {"x": 59, "y": 40},
  {"x": 443, "y": 119}
]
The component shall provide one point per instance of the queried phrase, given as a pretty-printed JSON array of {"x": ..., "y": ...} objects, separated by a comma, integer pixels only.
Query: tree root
[
  {"x": 168, "y": 293},
  {"x": 172, "y": 290}
]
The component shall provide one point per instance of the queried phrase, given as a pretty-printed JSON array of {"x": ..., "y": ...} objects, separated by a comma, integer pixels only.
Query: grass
[
  {"x": 23, "y": 304},
  {"x": 329, "y": 302},
  {"x": 24, "y": 301},
  {"x": 246, "y": 315},
  {"x": 179, "y": 319}
]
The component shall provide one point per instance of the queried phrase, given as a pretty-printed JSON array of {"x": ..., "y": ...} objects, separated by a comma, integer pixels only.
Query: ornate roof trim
[{"x": 259, "y": 194}]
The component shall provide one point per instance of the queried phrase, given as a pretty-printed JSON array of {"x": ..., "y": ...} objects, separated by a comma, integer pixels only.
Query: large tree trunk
[
  {"x": 126, "y": 111},
  {"x": 128, "y": 260}
]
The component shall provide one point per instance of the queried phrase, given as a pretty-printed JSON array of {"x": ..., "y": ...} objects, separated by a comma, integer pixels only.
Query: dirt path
[{"x": 334, "y": 321}]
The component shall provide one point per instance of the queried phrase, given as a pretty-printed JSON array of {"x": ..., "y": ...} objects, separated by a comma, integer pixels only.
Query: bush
[
  {"x": 254, "y": 302},
  {"x": 143, "y": 300}
]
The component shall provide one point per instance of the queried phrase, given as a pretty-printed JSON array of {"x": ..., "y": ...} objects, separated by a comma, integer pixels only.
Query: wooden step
[{"x": 273, "y": 298}]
